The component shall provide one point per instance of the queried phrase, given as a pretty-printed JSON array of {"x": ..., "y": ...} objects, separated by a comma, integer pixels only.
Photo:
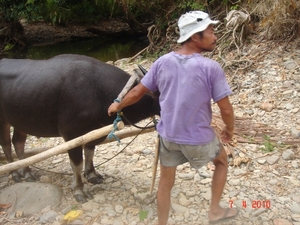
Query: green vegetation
[
  {"x": 143, "y": 215},
  {"x": 268, "y": 146}
]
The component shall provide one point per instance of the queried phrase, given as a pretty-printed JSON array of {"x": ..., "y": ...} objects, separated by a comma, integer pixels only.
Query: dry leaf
[{"x": 4, "y": 206}]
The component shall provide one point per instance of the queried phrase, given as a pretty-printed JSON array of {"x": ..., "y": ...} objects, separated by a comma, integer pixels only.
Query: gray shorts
[{"x": 172, "y": 154}]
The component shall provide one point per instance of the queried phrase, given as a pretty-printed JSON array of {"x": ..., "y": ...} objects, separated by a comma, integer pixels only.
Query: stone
[
  {"x": 48, "y": 217},
  {"x": 147, "y": 151},
  {"x": 206, "y": 195},
  {"x": 178, "y": 208},
  {"x": 206, "y": 181},
  {"x": 261, "y": 161},
  {"x": 30, "y": 198},
  {"x": 295, "y": 208},
  {"x": 280, "y": 221},
  {"x": 203, "y": 172},
  {"x": 234, "y": 182},
  {"x": 119, "y": 209},
  {"x": 293, "y": 181},
  {"x": 272, "y": 159},
  {"x": 267, "y": 107},
  {"x": 295, "y": 132},
  {"x": 186, "y": 176},
  {"x": 296, "y": 217},
  {"x": 90, "y": 205},
  {"x": 295, "y": 164},
  {"x": 288, "y": 155},
  {"x": 290, "y": 64},
  {"x": 289, "y": 106},
  {"x": 259, "y": 211},
  {"x": 116, "y": 184},
  {"x": 183, "y": 200}
]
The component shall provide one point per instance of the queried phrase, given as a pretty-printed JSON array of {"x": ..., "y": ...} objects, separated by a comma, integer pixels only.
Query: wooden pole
[
  {"x": 155, "y": 163},
  {"x": 86, "y": 138},
  {"x": 121, "y": 134}
]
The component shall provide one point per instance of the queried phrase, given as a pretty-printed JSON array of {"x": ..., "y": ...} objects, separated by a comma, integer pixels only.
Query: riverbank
[{"x": 41, "y": 33}]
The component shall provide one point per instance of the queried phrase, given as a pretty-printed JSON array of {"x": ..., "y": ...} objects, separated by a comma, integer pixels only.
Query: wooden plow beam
[
  {"x": 121, "y": 134},
  {"x": 86, "y": 138}
]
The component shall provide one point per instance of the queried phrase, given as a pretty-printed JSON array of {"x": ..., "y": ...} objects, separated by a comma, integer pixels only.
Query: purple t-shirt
[{"x": 187, "y": 84}]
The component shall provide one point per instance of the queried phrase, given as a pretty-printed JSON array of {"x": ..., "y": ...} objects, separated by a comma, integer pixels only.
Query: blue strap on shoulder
[{"x": 112, "y": 133}]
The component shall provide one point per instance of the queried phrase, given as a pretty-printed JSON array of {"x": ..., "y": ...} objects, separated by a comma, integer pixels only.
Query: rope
[
  {"x": 118, "y": 119},
  {"x": 155, "y": 121},
  {"x": 100, "y": 164}
]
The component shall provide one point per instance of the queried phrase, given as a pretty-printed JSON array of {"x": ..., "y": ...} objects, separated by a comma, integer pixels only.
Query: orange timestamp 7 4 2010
[{"x": 254, "y": 204}]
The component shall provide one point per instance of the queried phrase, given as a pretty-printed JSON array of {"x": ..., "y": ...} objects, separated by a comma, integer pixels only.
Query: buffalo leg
[
  {"x": 89, "y": 171},
  {"x": 76, "y": 162},
  {"x": 5, "y": 142},
  {"x": 18, "y": 140}
]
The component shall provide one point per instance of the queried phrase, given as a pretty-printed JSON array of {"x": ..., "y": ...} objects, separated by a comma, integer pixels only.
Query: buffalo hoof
[
  {"x": 94, "y": 178},
  {"x": 30, "y": 177},
  {"x": 16, "y": 178},
  {"x": 81, "y": 198}
]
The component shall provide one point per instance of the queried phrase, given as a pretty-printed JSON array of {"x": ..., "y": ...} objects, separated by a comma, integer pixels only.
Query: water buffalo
[{"x": 68, "y": 96}]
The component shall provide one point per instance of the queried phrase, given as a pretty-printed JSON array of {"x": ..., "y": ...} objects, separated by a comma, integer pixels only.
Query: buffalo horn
[{"x": 142, "y": 69}]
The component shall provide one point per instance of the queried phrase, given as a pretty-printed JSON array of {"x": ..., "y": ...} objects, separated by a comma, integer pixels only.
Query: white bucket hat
[{"x": 193, "y": 22}]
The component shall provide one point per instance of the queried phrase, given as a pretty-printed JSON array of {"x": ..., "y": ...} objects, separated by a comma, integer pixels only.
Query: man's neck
[{"x": 188, "y": 48}]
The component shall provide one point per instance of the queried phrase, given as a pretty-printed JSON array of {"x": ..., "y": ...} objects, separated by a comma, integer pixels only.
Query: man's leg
[
  {"x": 216, "y": 212},
  {"x": 166, "y": 182}
]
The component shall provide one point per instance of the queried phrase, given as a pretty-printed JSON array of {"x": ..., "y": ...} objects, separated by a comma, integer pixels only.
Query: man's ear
[{"x": 195, "y": 37}]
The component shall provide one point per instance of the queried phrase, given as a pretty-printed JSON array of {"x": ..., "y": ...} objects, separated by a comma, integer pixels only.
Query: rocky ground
[{"x": 263, "y": 177}]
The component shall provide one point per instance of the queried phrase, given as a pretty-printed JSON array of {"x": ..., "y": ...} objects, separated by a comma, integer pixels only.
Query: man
[{"x": 187, "y": 82}]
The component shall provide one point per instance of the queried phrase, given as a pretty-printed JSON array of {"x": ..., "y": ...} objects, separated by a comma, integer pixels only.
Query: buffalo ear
[{"x": 144, "y": 71}]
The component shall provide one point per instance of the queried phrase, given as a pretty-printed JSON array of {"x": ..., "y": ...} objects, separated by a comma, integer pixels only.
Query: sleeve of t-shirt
[
  {"x": 220, "y": 86},
  {"x": 150, "y": 78}
]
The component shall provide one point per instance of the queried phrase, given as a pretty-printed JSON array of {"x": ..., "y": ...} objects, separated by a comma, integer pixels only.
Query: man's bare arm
[
  {"x": 133, "y": 96},
  {"x": 227, "y": 115}
]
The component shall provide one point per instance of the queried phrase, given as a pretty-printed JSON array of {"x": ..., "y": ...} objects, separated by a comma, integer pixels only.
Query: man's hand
[
  {"x": 113, "y": 108},
  {"x": 226, "y": 135}
]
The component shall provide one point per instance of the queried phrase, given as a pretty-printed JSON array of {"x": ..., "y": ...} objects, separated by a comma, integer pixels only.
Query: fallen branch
[
  {"x": 136, "y": 55},
  {"x": 248, "y": 131}
]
